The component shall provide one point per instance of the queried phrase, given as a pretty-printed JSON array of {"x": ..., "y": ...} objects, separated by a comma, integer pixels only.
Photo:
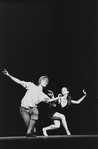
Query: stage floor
[
  {"x": 48, "y": 137},
  {"x": 52, "y": 141}
]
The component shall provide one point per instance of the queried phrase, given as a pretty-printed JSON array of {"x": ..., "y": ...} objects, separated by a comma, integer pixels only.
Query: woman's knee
[
  {"x": 58, "y": 116},
  {"x": 57, "y": 124},
  {"x": 62, "y": 117}
]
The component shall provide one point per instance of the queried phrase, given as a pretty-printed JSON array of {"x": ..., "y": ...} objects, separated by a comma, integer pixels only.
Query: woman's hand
[
  {"x": 59, "y": 95},
  {"x": 5, "y": 72},
  {"x": 84, "y": 92}
]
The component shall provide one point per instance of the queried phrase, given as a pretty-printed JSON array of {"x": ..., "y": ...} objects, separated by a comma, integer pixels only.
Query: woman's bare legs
[
  {"x": 57, "y": 116},
  {"x": 53, "y": 126}
]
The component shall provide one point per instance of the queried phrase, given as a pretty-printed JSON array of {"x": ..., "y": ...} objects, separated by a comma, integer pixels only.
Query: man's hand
[
  {"x": 50, "y": 93},
  {"x": 45, "y": 100}
]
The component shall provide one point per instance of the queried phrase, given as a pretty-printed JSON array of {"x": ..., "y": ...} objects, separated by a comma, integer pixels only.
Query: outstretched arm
[
  {"x": 53, "y": 99},
  {"x": 78, "y": 101},
  {"x": 12, "y": 78}
]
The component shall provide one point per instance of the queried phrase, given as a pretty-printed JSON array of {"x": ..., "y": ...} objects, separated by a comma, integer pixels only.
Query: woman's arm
[
  {"x": 78, "y": 101},
  {"x": 13, "y": 78}
]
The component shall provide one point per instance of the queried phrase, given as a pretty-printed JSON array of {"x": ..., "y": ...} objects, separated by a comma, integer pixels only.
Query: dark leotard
[{"x": 58, "y": 108}]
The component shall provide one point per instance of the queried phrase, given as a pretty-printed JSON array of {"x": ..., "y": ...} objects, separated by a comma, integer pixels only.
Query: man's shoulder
[{"x": 32, "y": 84}]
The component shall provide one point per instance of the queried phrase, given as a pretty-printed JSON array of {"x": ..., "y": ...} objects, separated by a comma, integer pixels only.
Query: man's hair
[{"x": 43, "y": 78}]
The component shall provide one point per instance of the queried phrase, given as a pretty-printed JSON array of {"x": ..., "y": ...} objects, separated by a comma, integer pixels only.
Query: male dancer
[{"x": 32, "y": 97}]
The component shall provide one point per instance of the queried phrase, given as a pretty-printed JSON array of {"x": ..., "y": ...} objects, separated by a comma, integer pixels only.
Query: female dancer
[{"x": 61, "y": 101}]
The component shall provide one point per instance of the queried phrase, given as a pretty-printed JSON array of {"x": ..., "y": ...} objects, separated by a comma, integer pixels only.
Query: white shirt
[{"x": 33, "y": 96}]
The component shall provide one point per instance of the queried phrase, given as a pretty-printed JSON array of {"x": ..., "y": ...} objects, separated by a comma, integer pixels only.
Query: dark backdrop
[{"x": 57, "y": 39}]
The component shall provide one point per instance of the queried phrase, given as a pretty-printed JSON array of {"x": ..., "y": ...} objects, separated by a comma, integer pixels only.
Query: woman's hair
[
  {"x": 43, "y": 78},
  {"x": 69, "y": 98},
  {"x": 66, "y": 89}
]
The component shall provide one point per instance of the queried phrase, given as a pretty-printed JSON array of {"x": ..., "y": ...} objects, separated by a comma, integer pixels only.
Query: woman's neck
[{"x": 65, "y": 95}]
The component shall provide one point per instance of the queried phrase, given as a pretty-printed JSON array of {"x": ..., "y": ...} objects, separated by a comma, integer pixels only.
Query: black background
[{"x": 57, "y": 39}]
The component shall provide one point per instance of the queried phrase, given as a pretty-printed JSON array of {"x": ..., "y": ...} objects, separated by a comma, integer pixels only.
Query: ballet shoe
[
  {"x": 44, "y": 132},
  {"x": 31, "y": 134}
]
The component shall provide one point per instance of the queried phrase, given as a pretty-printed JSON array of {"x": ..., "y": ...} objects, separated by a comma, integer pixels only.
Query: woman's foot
[
  {"x": 68, "y": 133},
  {"x": 44, "y": 132}
]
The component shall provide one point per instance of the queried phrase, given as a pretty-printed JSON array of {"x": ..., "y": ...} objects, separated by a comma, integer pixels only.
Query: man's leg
[
  {"x": 25, "y": 115},
  {"x": 34, "y": 117},
  {"x": 31, "y": 127}
]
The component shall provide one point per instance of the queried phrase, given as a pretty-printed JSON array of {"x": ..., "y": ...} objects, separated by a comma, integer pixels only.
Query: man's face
[{"x": 44, "y": 83}]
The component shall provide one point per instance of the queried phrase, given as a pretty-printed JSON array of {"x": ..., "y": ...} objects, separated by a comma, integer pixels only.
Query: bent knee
[
  {"x": 34, "y": 113},
  {"x": 62, "y": 116},
  {"x": 57, "y": 123},
  {"x": 34, "y": 117}
]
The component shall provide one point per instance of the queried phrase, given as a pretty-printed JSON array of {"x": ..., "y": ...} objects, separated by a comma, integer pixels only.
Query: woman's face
[{"x": 64, "y": 91}]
